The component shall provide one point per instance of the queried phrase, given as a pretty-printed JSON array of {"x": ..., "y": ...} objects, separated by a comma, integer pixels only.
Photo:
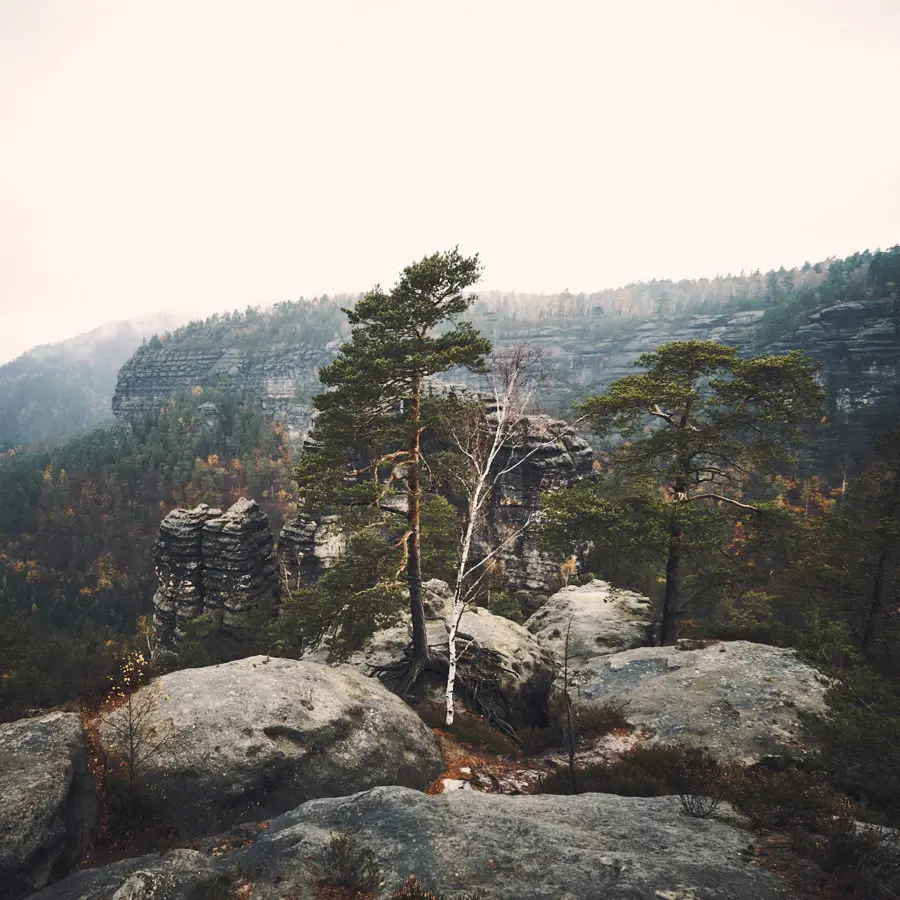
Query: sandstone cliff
[
  {"x": 277, "y": 375},
  {"x": 554, "y": 457}
]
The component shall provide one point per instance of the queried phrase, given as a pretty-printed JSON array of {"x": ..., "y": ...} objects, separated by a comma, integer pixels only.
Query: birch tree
[{"x": 493, "y": 438}]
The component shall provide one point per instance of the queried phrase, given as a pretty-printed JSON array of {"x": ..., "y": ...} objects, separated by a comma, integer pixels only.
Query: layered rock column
[
  {"x": 214, "y": 563},
  {"x": 178, "y": 557},
  {"x": 239, "y": 569}
]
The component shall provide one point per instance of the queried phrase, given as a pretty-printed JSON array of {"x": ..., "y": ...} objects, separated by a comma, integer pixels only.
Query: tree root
[{"x": 477, "y": 682}]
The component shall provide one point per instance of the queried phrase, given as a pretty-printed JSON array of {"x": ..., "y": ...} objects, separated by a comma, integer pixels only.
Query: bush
[
  {"x": 860, "y": 737},
  {"x": 588, "y": 721},
  {"x": 647, "y": 771},
  {"x": 866, "y": 859},
  {"x": 468, "y": 729},
  {"x": 345, "y": 863},
  {"x": 776, "y": 795}
]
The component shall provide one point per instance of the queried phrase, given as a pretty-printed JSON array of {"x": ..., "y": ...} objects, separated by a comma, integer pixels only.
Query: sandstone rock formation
[
  {"x": 555, "y": 457},
  {"x": 210, "y": 562},
  {"x": 738, "y": 699},
  {"x": 178, "y": 557},
  {"x": 603, "y": 620},
  {"x": 307, "y": 549},
  {"x": 525, "y": 671},
  {"x": 238, "y": 561},
  {"x": 48, "y": 806},
  {"x": 255, "y": 737},
  {"x": 529, "y": 848},
  {"x": 274, "y": 375},
  {"x": 857, "y": 344}
]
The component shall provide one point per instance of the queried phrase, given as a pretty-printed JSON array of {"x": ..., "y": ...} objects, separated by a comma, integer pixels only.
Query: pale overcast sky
[{"x": 210, "y": 154}]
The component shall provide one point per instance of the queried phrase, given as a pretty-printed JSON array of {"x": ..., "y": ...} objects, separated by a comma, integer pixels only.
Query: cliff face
[
  {"x": 210, "y": 562},
  {"x": 857, "y": 344},
  {"x": 281, "y": 376},
  {"x": 554, "y": 457}
]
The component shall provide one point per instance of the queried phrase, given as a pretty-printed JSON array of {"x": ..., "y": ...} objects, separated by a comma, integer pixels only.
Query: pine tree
[
  {"x": 371, "y": 420},
  {"x": 719, "y": 420}
]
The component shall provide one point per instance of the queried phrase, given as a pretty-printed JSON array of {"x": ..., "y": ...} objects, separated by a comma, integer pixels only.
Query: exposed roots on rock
[{"x": 477, "y": 684}]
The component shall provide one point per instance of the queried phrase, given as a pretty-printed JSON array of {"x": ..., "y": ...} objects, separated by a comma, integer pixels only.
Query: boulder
[
  {"x": 525, "y": 671},
  {"x": 255, "y": 737},
  {"x": 48, "y": 807},
  {"x": 603, "y": 620},
  {"x": 176, "y": 875},
  {"x": 738, "y": 699},
  {"x": 530, "y": 848}
]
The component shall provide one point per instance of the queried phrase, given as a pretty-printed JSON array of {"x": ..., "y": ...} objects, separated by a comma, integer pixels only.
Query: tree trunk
[
  {"x": 876, "y": 600},
  {"x": 876, "y": 603},
  {"x": 414, "y": 561},
  {"x": 672, "y": 597},
  {"x": 450, "y": 706}
]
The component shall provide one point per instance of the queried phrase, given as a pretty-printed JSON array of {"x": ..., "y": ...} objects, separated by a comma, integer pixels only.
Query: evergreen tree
[
  {"x": 719, "y": 420},
  {"x": 372, "y": 417}
]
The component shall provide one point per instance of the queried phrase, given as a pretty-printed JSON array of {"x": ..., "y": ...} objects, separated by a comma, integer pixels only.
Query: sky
[{"x": 202, "y": 155}]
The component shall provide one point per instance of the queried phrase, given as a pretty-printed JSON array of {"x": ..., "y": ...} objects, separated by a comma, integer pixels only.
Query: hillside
[
  {"x": 843, "y": 312},
  {"x": 55, "y": 389}
]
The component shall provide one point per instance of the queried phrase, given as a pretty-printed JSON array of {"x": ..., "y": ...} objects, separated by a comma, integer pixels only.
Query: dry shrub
[
  {"x": 777, "y": 796},
  {"x": 468, "y": 729},
  {"x": 645, "y": 771},
  {"x": 345, "y": 863},
  {"x": 588, "y": 721}
]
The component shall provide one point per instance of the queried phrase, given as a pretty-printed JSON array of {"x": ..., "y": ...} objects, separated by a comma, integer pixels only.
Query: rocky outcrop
[
  {"x": 48, "y": 806},
  {"x": 239, "y": 568},
  {"x": 308, "y": 549},
  {"x": 178, "y": 558},
  {"x": 737, "y": 699},
  {"x": 253, "y": 738},
  {"x": 523, "y": 669},
  {"x": 553, "y": 455},
  {"x": 597, "y": 617},
  {"x": 528, "y": 848},
  {"x": 212, "y": 563}
]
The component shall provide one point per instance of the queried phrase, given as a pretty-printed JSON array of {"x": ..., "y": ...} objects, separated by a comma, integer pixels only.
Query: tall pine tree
[
  {"x": 371, "y": 419},
  {"x": 718, "y": 420}
]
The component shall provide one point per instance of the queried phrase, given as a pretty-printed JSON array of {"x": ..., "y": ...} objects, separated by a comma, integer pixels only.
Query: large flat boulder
[
  {"x": 598, "y": 618},
  {"x": 529, "y": 848},
  {"x": 525, "y": 670},
  {"x": 255, "y": 737},
  {"x": 738, "y": 699},
  {"x": 48, "y": 806}
]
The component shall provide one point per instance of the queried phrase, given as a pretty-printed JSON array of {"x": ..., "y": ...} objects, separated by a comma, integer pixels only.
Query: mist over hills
[{"x": 54, "y": 389}]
